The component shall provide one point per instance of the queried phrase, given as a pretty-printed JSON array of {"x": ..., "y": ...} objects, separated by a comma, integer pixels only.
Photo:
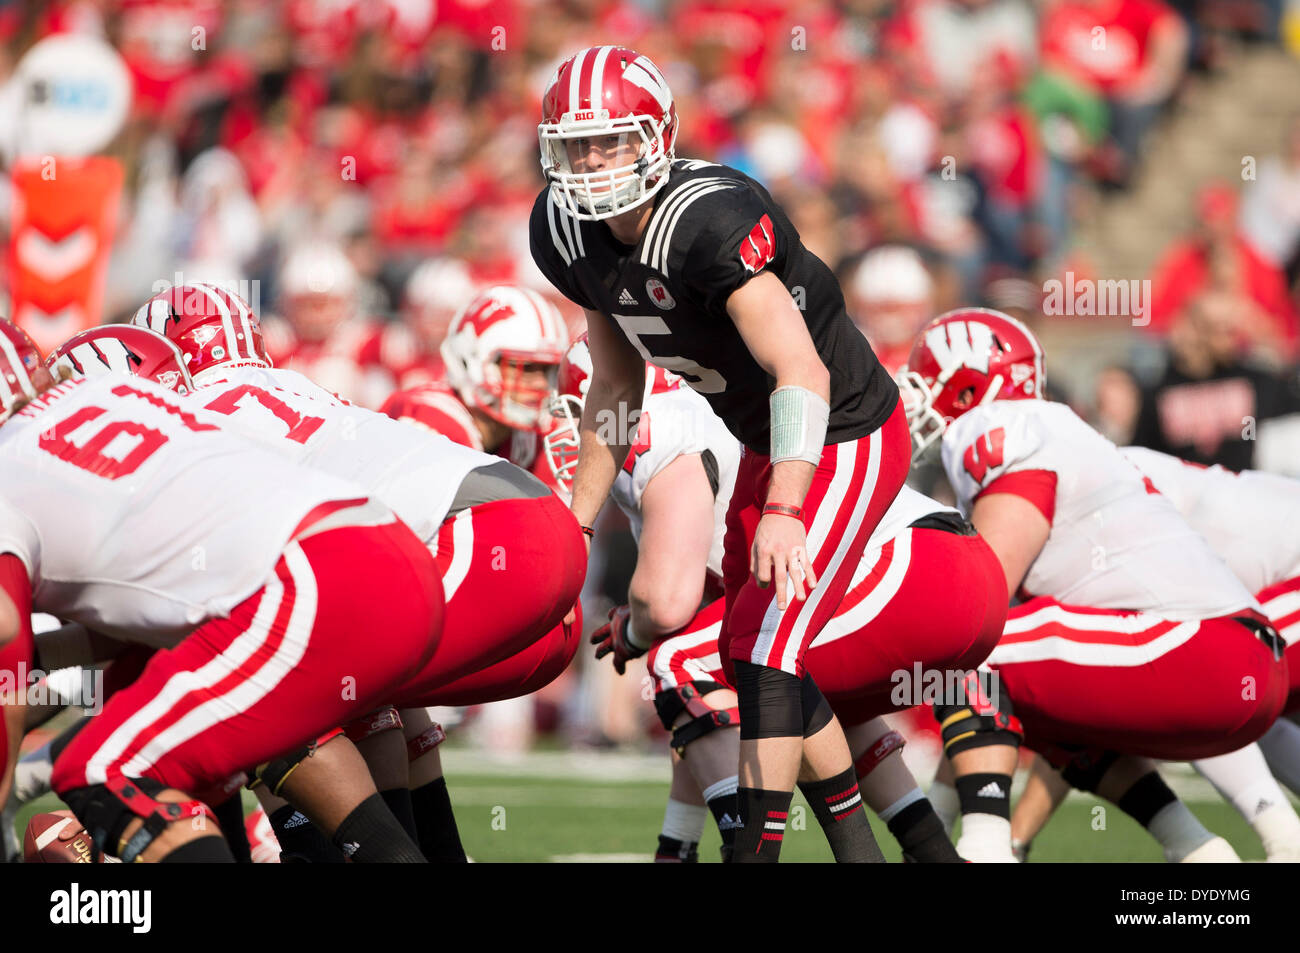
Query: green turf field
[{"x": 507, "y": 816}]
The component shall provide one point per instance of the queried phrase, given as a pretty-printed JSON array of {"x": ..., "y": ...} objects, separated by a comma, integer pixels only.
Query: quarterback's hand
[
  {"x": 781, "y": 552},
  {"x": 612, "y": 637}
]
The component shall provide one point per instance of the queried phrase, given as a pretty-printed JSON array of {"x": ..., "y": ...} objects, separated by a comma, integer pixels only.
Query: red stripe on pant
[
  {"x": 1201, "y": 696},
  {"x": 1286, "y": 619},
  {"x": 685, "y": 656},
  {"x": 377, "y": 617},
  {"x": 754, "y": 631},
  {"x": 858, "y": 672},
  {"x": 523, "y": 573}
]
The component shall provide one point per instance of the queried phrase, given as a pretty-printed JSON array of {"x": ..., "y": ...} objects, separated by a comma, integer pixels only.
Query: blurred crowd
[{"x": 368, "y": 164}]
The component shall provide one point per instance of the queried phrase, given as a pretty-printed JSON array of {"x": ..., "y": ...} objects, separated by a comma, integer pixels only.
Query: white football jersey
[
  {"x": 674, "y": 423},
  {"x": 414, "y": 471},
  {"x": 140, "y": 517},
  {"x": 1248, "y": 518},
  {"x": 1113, "y": 544}
]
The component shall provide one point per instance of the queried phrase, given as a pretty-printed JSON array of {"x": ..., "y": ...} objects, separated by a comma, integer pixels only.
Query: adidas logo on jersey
[
  {"x": 991, "y": 790},
  {"x": 626, "y": 298}
]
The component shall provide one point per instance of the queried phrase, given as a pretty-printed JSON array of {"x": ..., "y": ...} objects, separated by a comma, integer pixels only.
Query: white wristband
[
  {"x": 799, "y": 419},
  {"x": 630, "y": 636}
]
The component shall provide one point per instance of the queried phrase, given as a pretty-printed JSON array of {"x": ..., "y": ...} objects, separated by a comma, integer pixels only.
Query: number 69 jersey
[
  {"x": 139, "y": 517},
  {"x": 674, "y": 423},
  {"x": 415, "y": 473},
  {"x": 1114, "y": 542}
]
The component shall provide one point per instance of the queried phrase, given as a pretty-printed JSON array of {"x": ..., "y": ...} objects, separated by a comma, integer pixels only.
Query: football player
[
  {"x": 501, "y": 355},
  {"x": 1132, "y": 636},
  {"x": 497, "y": 532},
  {"x": 674, "y": 487},
  {"x": 693, "y": 267},
  {"x": 261, "y": 599},
  {"x": 1240, "y": 515}
]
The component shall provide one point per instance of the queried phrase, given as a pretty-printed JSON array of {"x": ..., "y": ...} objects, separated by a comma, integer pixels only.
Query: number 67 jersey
[{"x": 140, "y": 517}]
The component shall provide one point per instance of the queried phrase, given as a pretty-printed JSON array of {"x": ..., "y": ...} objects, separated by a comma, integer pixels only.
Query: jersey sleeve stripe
[
  {"x": 1036, "y": 487},
  {"x": 677, "y": 214},
  {"x": 560, "y": 245}
]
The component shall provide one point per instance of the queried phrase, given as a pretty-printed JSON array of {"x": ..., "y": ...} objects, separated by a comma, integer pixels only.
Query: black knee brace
[
  {"x": 771, "y": 702},
  {"x": 106, "y": 809},
  {"x": 974, "y": 721},
  {"x": 670, "y": 704},
  {"x": 275, "y": 772},
  {"x": 817, "y": 712}
]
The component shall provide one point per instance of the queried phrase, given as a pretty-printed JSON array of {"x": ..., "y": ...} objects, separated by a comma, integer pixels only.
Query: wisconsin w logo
[{"x": 960, "y": 344}]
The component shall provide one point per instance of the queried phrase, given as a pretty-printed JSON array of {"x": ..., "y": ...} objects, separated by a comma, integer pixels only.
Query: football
[{"x": 56, "y": 838}]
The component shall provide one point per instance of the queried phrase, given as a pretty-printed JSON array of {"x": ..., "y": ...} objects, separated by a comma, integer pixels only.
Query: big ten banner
[
  {"x": 60, "y": 242},
  {"x": 74, "y": 94}
]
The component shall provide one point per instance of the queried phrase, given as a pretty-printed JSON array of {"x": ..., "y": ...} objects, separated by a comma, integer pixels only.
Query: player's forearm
[
  {"x": 790, "y": 482},
  {"x": 608, "y": 427}
]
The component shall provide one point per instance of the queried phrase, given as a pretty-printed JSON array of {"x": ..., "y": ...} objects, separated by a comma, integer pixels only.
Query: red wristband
[
  {"x": 588, "y": 531},
  {"x": 784, "y": 509}
]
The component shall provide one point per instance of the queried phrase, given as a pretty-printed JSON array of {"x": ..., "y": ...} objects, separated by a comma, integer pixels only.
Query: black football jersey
[{"x": 712, "y": 229}]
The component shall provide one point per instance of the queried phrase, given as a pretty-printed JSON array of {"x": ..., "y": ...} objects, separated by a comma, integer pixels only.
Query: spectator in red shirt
[
  {"x": 1215, "y": 256},
  {"x": 1132, "y": 51}
]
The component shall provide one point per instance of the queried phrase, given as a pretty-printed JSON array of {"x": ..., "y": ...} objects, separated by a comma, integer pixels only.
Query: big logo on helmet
[
  {"x": 960, "y": 344},
  {"x": 757, "y": 248}
]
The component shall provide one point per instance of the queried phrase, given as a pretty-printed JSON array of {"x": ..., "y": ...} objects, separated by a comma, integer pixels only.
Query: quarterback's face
[{"x": 598, "y": 153}]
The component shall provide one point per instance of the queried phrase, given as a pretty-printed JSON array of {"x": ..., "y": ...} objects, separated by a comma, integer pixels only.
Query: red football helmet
[
  {"x": 19, "y": 359},
  {"x": 561, "y": 443},
  {"x": 123, "y": 349},
  {"x": 212, "y": 327},
  {"x": 962, "y": 359},
  {"x": 616, "y": 101}
]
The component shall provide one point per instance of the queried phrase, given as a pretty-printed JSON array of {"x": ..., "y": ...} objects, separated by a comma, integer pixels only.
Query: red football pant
[
  {"x": 1136, "y": 683},
  {"x": 690, "y": 654},
  {"x": 346, "y": 617},
  {"x": 933, "y": 599},
  {"x": 1281, "y": 604},
  {"x": 852, "y": 488},
  {"x": 511, "y": 571},
  {"x": 16, "y": 657},
  {"x": 521, "y": 674}
]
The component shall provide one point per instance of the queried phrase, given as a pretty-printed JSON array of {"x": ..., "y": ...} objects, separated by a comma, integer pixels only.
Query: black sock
[
  {"x": 1146, "y": 798},
  {"x": 301, "y": 841},
  {"x": 672, "y": 851},
  {"x": 985, "y": 794},
  {"x": 371, "y": 835},
  {"x": 439, "y": 838},
  {"x": 725, "y": 811},
  {"x": 205, "y": 850},
  {"x": 230, "y": 816},
  {"x": 920, "y": 833},
  {"x": 399, "y": 802},
  {"x": 837, "y": 804},
  {"x": 763, "y": 815}
]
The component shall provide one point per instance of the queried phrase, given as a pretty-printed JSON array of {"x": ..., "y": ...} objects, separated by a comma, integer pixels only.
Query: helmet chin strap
[{"x": 995, "y": 386}]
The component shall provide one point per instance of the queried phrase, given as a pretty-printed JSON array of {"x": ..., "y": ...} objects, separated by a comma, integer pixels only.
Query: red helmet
[
  {"x": 561, "y": 443},
  {"x": 123, "y": 349},
  {"x": 607, "y": 91},
  {"x": 211, "y": 326},
  {"x": 19, "y": 359},
  {"x": 962, "y": 359}
]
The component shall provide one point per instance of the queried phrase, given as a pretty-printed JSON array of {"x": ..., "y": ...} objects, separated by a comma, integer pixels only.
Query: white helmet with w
[{"x": 503, "y": 352}]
